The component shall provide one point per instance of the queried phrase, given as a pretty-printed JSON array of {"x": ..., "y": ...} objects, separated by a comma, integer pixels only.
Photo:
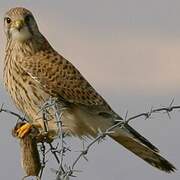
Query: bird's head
[{"x": 19, "y": 24}]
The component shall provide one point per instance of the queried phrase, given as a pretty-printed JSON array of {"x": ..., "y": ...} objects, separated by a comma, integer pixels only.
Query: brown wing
[{"x": 59, "y": 77}]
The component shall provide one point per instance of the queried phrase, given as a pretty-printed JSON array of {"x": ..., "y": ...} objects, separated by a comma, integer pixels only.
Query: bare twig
[
  {"x": 58, "y": 115},
  {"x": 43, "y": 161},
  {"x": 63, "y": 171},
  {"x": 53, "y": 104},
  {"x": 101, "y": 136},
  {"x": 54, "y": 152},
  {"x": 148, "y": 114},
  {"x": 2, "y": 109}
]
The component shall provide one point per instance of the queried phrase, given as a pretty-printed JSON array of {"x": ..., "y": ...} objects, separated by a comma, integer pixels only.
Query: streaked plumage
[{"x": 34, "y": 71}]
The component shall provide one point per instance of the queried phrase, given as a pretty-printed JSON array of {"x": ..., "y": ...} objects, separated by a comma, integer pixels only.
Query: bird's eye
[{"x": 8, "y": 20}]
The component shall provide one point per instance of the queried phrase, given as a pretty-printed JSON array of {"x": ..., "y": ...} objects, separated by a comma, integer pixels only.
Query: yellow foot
[{"x": 23, "y": 130}]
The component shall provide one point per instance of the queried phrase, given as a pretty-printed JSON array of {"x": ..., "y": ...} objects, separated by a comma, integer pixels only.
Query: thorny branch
[
  {"x": 19, "y": 117},
  {"x": 63, "y": 171},
  {"x": 43, "y": 161},
  {"x": 147, "y": 115}
]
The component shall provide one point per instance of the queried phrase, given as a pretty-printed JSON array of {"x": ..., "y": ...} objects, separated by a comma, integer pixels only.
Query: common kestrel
[{"x": 34, "y": 72}]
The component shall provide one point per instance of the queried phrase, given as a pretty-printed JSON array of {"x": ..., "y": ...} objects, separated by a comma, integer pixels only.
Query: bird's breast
[{"x": 24, "y": 91}]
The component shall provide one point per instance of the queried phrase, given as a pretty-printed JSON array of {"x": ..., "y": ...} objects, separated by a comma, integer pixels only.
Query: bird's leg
[
  {"x": 44, "y": 134},
  {"x": 23, "y": 130}
]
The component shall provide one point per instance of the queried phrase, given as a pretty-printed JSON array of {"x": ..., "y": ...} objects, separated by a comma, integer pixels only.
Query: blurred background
[{"x": 130, "y": 52}]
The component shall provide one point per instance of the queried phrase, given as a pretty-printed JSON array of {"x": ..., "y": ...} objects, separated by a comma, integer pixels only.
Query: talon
[{"x": 23, "y": 130}]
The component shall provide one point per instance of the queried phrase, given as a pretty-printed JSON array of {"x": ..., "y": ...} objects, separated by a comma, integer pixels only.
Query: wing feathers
[{"x": 60, "y": 77}]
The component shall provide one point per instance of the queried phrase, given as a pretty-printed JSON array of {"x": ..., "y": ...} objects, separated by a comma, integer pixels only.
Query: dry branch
[{"x": 64, "y": 172}]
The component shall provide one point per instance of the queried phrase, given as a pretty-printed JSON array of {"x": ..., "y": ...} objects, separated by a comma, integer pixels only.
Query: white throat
[{"x": 21, "y": 35}]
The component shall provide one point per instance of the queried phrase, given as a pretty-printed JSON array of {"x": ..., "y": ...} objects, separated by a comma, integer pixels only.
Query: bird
[
  {"x": 35, "y": 72},
  {"x": 30, "y": 159}
]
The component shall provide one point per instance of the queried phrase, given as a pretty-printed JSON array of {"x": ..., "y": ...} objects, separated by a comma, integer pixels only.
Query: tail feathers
[
  {"x": 141, "y": 138},
  {"x": 145, "y": 153}
]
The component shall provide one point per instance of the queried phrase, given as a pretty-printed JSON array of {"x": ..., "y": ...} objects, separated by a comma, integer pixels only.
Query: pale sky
[{"x": 130, "y": 52}]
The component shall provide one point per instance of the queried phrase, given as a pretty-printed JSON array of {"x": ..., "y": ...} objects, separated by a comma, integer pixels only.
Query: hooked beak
[{"x": 18, "y": 24}]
